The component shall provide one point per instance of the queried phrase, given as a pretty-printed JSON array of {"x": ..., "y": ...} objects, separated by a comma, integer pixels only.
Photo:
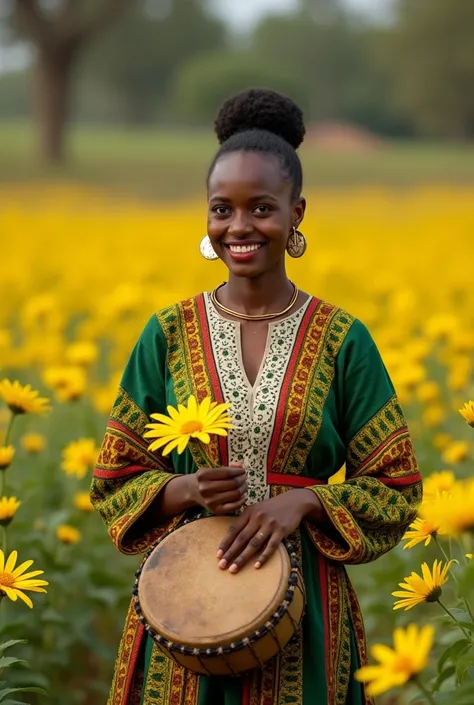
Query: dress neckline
[{"x": 271, "y": 323}]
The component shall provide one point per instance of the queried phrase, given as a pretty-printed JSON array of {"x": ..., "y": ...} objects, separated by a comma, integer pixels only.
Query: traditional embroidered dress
[{"x": 322, "y": 398}]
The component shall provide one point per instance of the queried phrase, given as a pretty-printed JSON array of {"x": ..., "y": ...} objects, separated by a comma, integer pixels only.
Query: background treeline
[{"x": 171, "y": 62}]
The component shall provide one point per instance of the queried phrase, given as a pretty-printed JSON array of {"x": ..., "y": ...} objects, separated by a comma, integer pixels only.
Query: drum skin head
[{"x": 189, "y": 600}]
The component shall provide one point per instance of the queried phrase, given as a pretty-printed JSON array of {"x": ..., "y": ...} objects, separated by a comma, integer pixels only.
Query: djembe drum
[{"x": 207, "y": 619}]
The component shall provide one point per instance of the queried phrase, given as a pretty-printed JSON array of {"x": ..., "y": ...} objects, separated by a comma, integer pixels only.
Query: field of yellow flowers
[{"x": 81, "y": 272}]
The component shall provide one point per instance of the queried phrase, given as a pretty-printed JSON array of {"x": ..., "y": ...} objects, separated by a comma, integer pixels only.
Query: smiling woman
[{"x": 308, "y": 393}]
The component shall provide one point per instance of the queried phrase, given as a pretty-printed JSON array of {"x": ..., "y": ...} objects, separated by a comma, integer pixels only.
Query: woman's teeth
[{"x": 243, "y": 248}]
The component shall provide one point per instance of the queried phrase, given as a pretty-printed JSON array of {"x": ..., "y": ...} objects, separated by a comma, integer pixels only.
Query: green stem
[
  {"x": 4, "y": 541},
  {"x": 446, "y": 558},
  {"x": 9, "y": 428},
  {"x": 425, "y": 691},
  {"x": 464, "y": 599},
  {"x": 458, "y": 624}
]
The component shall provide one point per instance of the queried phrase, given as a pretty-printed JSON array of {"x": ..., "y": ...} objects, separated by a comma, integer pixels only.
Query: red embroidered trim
[
  {"x": 400, "y": 481},
  {"x": 279, "y": 478},
  {"x": 112, "y": 474},
  {"x": 214, "y": 377}
]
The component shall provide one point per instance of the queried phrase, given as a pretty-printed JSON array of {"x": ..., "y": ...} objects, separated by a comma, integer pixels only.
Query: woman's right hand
[{"x": 220, "y": 490}]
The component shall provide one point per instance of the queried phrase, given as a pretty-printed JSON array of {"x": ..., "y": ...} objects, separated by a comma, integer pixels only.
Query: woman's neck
[{"x": 254, "y": 297}]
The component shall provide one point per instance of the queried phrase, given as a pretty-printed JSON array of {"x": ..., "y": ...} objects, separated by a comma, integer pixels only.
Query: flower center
[
  {"x": 191, "y": 427},
  {"x": 434, "y": 595},
  {"x": 6, "y": 579},
  {"x": 403, "y": 664}
]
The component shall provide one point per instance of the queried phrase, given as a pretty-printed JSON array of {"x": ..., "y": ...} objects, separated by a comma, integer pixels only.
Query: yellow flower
[
  {"x": 398, "y": 665},
  {"x": 68, "y": 382},
  {"x": 68, "y": 534},
  {"x": 427, "y": 392},
  {"x": 33, "y": 442},
  {"x": 441, "y": 440},
  {"x": 470, "y": 556},
  {"x": 422, "y": 530},
  {"x": 454, "y": 512},
  {"x": 8, "y": 509},
  {"x": 22, "y": 399},
  {"x": 456, "y": 452},
  {"x": 6, "y": 456},
  {"x": 433, "y": 416},
  {"x": 438, "y": 483},
  {"x": 83, "y": 502},
  {"x": 338, "y": 476},
  {"x": 193, "y": 421},
  {"x": 467, "y": 412},
  {"x": 82, "y": 353},
  {"x": 13, "y": 581},
  {"x": 419, "y": 589},
  {"x": 79, "y": 457}
]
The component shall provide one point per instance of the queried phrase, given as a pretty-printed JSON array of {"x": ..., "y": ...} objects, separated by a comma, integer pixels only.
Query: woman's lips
[{"x": 243, "y": 253}]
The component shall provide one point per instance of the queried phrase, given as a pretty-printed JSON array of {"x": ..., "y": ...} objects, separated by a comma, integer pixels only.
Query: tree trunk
[{"x": 52, "y": 85}]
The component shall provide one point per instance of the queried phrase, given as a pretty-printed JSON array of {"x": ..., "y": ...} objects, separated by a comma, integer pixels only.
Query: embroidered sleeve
[
  {"x": 128, "y": 478},
  {"x": 372, "y": 509}
]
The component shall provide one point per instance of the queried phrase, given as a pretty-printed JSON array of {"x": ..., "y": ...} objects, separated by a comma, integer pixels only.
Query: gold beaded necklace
[{"x": 247, "y": 317}]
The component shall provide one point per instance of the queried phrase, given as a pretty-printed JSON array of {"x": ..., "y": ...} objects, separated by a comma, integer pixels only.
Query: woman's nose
[{"x": 240, "y": 225}]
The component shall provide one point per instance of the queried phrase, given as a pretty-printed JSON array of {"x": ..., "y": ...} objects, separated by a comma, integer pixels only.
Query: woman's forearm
[{"x": 177, "y": 496}]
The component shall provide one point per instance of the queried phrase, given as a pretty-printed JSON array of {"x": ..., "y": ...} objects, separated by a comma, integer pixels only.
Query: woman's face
[{"x": 251, "y": 212}]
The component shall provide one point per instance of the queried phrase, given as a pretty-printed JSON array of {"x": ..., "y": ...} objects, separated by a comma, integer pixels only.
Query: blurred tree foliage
[{"x": 172, "y": 61}]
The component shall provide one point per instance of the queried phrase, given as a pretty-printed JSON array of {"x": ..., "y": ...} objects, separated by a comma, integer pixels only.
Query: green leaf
[
  {"x": 26, "y": 689},
  {"x": 13, "y": 702},
  {"x": 8, "y": 644},
  {"x": 463, "y": 663},
  {"x": 452, "y": 652},
  {"x": 443, "y": 676},
  {"x": 7, "y": 661},
  {"x": 461, "y": 696}
]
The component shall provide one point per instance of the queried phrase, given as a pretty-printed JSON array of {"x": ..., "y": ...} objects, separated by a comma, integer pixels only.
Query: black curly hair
[{"x": 261, "y": 120}]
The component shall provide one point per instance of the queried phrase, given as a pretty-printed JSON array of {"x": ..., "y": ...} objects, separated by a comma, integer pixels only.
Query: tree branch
[{"x": 32, "y": 21}]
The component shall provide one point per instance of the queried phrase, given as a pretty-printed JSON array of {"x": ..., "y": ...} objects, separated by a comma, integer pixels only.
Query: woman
[{"x": 309, "y": 392}]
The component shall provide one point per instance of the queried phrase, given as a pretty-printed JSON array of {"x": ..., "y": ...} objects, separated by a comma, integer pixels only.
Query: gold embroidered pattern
[
  {"x": 126, "y": 660},
  {"x": 383, "y": 440},
  {"x": 187, "y": 365},
  {"x": 311, "y": 382}
]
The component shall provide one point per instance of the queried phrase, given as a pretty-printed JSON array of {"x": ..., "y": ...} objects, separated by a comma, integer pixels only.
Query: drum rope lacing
[{"x": 268, "y": 628}]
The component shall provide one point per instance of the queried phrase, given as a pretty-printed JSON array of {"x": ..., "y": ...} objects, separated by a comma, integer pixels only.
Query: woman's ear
[{"x": 299, "y": 209}]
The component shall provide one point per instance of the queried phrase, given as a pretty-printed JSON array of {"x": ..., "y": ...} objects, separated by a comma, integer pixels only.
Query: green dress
[{"x": 322, "y": 399}]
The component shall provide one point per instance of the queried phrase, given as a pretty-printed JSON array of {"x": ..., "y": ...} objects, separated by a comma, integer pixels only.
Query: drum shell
[
  {"x": 234, "y": 653},
  {"x": 249, "y": 657}
]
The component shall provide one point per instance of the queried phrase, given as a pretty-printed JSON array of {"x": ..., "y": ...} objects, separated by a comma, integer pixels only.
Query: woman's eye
[
  {"x": 220, "y": 210},
  {"x": 260, "y": 210}
]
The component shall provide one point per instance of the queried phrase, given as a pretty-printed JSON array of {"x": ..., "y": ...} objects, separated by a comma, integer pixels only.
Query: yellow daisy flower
[
  {"x": 467, "y": 412},
  {"x": 409, "y": 656},
  {"x": 22, "y": 399},
  {"x": 68, "y": 534},
  {"x": 13, "y": 581},
  {"x": 338, "y": 476},
  {"x": 421, "y": 530},
  {"x": 33, "y": 442},
  {"x": 470, "y": 556},
  {"x": 6, "y": 456},
  {"x": 79, "y": 457},
  {"x": 428, "y": 392},
  {"x": 82, "y": 501},
  {"x": 456, "y": 452},
  {"x": 438, "y": 483},
  {"x": 82, "y": 353},
  {"x": 419, "y": 589},
  {"x": 193, "y": 421},
  {"x": 454, "y": 512},
  {"x": 441, "y": 440},
  {"x": 68, "y": 382},
  {"x": 8, "y": 508}
]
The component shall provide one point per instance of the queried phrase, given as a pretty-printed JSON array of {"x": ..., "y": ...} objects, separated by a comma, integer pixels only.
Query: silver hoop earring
[
  {"x": 296, "y": 245},
  {"x": 207, "y": 250}
]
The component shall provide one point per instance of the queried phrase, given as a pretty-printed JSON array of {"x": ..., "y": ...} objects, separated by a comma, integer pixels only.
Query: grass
[{"x": 172, "y": 164}]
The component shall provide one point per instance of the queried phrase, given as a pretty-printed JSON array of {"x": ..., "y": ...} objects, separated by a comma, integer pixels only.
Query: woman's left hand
[{"x": 262, "y": 527}]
